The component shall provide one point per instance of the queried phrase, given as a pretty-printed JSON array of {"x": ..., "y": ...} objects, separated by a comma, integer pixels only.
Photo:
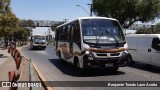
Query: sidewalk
[
  {"x": 7, "y": 63},
  {"x": 4, "y": 55}
]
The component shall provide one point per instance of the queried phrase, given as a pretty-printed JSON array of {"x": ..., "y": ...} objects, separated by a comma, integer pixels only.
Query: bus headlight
[
  {"x": 124, "y": 53},
  {"x": 87, "y": 52},
  {"x": 90, "y": 55}
]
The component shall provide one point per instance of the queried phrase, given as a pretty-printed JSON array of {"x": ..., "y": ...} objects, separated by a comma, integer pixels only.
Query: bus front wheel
[
  {"x": 76, "y": 63},
  {"x": 130, "y": 62},
  {"x": 113, "y": 69},
  {"x": 60, "y": 59}
]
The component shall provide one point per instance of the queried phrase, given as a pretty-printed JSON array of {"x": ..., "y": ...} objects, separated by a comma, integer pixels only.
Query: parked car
[{"x": 144, "y": 48}]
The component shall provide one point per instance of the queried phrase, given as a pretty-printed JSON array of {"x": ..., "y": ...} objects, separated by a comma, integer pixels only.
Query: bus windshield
[
  {"x": 39, "y": 38},
  {"x": 101, "y": 31}
]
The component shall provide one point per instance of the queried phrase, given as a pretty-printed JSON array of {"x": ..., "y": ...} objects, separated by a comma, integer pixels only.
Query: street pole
[
  {"x": 91, "y": 5},
  {"x": 83, "y": 9},
  {"x": 65, "y": 20},
  {"x": 49, "y": 34}
]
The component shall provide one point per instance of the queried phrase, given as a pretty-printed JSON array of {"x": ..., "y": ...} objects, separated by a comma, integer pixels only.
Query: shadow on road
[
  {"x": 2, "y": 56},
  {"x": 146, "y": 67},
  {"x": 36, "y": 49},
  {"x": 69, "y": 69}
]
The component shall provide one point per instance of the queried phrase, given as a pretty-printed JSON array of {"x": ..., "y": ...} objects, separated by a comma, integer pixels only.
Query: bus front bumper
[
  {"x": 39, "y": 45},
  {"x": 106, "y": 62}
]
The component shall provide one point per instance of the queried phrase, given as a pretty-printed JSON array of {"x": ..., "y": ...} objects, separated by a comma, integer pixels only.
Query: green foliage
[
  {"x": 153, "y": 30},
  {"x": 26, "y": 23},
  {"x": 9, "y": 24},
  {"x": 23, "y": 33},
  {"x": 8, "y": 20},
  {"x": 127, "y": 11},
  {"x": 53, "y": 27}
]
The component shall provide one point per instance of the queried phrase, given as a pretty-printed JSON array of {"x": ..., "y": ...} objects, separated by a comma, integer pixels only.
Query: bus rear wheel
[
  {"x": 78, "y": 65},
  {"x": 31, "y": 47}
]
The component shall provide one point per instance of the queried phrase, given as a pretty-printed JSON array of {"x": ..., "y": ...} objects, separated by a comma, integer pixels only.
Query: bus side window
[
  {"x": 156, "y": 44},
  {"x": 71, "y": 34},
  {"x": 68, "y": 33},
  {"x": 76, "y": 35},
  {"x": 57, "y": 35},
  {"x": 62, "y": 34}
]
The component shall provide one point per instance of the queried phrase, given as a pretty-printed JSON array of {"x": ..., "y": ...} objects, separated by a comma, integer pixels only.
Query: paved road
[{"x": 53, "y": 70}]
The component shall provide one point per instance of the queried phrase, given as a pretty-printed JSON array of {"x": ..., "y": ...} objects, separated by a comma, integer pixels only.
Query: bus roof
[
  {"x": 95, "y": 18},
  {"x": 81, "y": 18}
]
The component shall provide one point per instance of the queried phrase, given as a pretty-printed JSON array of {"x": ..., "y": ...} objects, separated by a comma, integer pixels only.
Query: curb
[{"x": 40, "y": 76}]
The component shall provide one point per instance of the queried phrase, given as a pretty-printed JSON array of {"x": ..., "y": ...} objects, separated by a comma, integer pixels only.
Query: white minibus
[
  {"x": 92, "y": 42},
  {"x": 38, "y": 41}
]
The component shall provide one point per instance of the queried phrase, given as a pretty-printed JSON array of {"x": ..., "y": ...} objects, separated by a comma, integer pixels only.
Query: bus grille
[
  {"x": 101, "y": 54},
  {"x": 115, "y": 54}
]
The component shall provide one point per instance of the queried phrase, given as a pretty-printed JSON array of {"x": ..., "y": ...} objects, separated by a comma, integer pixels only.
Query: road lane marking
[{"x": 42, "y": 77}]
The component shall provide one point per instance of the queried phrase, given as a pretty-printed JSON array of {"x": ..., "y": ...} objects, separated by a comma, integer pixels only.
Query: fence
[{"x": 15, "y": 76}]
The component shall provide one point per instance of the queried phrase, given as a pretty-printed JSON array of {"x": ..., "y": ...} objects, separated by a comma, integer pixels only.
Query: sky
[{"x": 55, "y": 10}]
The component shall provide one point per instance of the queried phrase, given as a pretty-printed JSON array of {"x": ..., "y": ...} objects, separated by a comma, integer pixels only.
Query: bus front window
[
  {"x": 101, "y": 30},
  {"x": 39, "y": 39}
]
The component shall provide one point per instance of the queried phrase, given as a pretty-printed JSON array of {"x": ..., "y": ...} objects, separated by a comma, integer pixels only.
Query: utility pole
[
  {"x": 83, "y": 8},
  {"x": 49, "y": 34},
  {"x": 65, "y": 20},
  {"x": 91, "y": 10}
]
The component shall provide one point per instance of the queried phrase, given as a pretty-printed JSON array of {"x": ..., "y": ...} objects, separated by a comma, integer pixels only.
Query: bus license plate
[{"x": 109, "y": 65}]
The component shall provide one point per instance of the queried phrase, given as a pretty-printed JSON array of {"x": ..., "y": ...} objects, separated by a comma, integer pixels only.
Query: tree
[
  {"x": 8, "y": 24},
  {"x": 8, "y": 21},
  {"x": 154, "y": 29},
  {"x": 22, "y": 34},
  {"x": 27, "y": 23},
  {"x": 127, "y": 11},
  {"x": 53, "y": 27}
]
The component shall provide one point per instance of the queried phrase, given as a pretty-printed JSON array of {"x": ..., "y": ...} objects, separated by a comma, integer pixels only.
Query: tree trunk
[
  {"x": 6, "y": 41},
  {"x": 10, "y": 40}
]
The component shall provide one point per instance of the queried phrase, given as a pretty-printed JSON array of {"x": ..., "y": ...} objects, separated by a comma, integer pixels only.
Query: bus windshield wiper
[
  {"x": 97, "y": 40},
  {"x": 117, "y": 42}
]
